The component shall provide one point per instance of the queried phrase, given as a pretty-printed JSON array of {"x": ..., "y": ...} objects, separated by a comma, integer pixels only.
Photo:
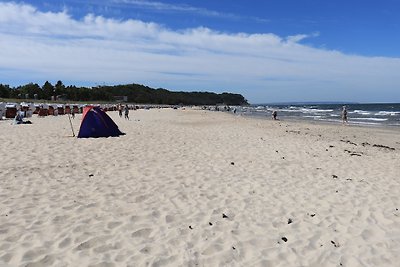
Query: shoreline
[
  {"x": 391, "y": 129},
  {"x": 385, "y": 115},
  {"x": 322, "y": 122}
]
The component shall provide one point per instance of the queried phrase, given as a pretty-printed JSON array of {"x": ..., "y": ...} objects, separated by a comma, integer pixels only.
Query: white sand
[{"x": 156, "y": 196}]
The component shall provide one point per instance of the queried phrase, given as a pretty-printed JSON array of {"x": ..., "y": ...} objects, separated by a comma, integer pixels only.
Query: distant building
[
  {"x": 61, "y": 97},
  {"x": 121, "y": 98}
]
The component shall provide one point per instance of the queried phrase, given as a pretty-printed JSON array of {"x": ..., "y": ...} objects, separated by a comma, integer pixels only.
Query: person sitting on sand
[
  {"x": 344, "y": 115},
  {"x": 18, "y": 119}
]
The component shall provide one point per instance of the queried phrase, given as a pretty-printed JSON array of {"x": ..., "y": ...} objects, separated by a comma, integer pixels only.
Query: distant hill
[{"x": 133, "y": 93}]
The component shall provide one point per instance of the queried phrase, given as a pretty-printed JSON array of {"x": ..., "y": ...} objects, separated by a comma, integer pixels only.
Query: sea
[{"x": 379, "y": 115}]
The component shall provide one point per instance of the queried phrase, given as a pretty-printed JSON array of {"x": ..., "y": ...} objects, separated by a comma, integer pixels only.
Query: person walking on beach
[
  {"x": 120, "y": 110},
  {"x": 344, "y": 115},
  {"x": 274, "y": 114},
  {"x": 126, "y": 112}
]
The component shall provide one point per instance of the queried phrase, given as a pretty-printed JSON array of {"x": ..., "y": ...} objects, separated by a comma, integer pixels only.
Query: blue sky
[{"x": 269, "y": 51}]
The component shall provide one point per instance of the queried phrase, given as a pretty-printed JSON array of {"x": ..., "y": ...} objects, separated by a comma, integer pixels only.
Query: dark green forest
[{"x": 135, "y": 93}]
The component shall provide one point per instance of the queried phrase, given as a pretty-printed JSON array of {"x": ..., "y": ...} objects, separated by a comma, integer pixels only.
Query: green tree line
[{"x": 136, "y": 93}]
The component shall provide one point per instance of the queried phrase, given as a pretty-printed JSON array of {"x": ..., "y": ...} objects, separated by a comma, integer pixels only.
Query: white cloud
[
  {"x": 182, "y": 8},
  {"x": 39, "y": 46},
  {"x": 164, "y": 6},
  {"x": 300, "y": 37}
]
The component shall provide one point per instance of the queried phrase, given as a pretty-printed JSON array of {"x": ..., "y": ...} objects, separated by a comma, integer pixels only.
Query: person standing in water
[
  {"x": 344, "y": 115},
  {"x": 274, "y": 114}
]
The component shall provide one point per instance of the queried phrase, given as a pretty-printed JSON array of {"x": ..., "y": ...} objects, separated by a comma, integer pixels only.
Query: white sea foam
[
  {"x": 312, "y": 110},
  {"x": 313, "y": 117},
  {"x": 387, "y": 113},
  {"x": 361, "y": 112},
  {"x": 350, "y": 122},
  {"x": 370, "y": 119},
  {"x": 289, "y": 110},
  {"x": 364, "y": 123},
  {"x": 328, "y": 120}
]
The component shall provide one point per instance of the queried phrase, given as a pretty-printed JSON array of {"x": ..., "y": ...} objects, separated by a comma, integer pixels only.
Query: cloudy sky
[{"x": 266, "y": 50}]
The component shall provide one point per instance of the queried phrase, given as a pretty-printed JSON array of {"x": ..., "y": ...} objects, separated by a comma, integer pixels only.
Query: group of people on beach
[{"x": 125, "y": 109}]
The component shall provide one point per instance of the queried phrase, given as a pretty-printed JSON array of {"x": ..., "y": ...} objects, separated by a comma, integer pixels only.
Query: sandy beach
[{"x": 199, "y": 188}]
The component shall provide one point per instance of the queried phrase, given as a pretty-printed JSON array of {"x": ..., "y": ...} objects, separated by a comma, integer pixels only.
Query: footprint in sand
[
  {"x": 146, "y": 250},
  {"x": 104, "y": 248},
  {"x": 45, "y": 261},
  {"x": 113, "y": 225},
  {"x": 215, "y": 248},
  {"x": 14, "y": 238},
  {"x": 142, "y": 233},
  {"x": 169, "y": 218},
  {"x": 31, "y": 255},
  {"x": 65, "y": 242},
  {"x": 6, "y": 257},
  {"x": 156, "y": 214},
  {"x": 91, "y": 243},
  {"x": 134, "y": 218}
]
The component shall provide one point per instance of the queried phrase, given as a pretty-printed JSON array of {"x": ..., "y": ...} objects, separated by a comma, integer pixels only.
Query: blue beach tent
[{"x": 96, "y": 123}]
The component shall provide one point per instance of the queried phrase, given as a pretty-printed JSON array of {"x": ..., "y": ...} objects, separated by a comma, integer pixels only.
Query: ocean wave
[
  {"x": 350, "y": 122},
  {"x": 364, "y": 123},
  {"x": 289, "y": 110},
  {"x": 387, "y": 113},
  {"x": 312, "y": 110},
  {"x": 361, "y": 112},
  {"x": 370, "y": 119},
  {"x": 314, "y": 117},
  {"x": 328, "y": 120}
]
